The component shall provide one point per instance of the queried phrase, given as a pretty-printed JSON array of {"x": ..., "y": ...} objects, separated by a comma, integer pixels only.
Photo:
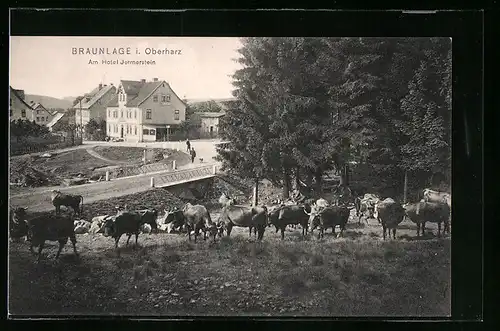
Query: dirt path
[{"x": 92, "y": 152}]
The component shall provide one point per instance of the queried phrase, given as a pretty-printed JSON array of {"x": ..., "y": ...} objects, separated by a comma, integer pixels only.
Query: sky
[{"x": 198, "y": 68}]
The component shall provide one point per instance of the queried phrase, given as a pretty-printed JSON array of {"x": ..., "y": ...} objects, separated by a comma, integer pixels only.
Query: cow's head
[{"x": 109, "y": 227}]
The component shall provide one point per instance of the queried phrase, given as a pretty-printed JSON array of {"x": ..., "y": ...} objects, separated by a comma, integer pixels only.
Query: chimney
[
  {"x": 155, "y": 79},
  {"x": 143, "y": 80},
  {"x": 100, "y": 86}
]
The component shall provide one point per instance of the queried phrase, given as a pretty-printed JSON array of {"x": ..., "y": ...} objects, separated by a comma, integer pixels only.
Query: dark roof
[
  {"x": 16, "y": 93},
  {"x": 137, "y": 92},
  {"x": 91, "y": 98}
]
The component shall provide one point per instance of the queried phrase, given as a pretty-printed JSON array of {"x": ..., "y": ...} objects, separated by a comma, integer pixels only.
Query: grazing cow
[
  {"x": 51, "y": 228},
  {"x": 81, "y": 226},
  {"x": 196, "y": 218},
  {"x": 390, "y": 214},
  {"x": 97, "y": 224},
  {"x": 243, "y": 216},
  {"x": 422, "y": 212},
  {"x": 128, "y": 222},
  {"x": 436, "y": 196},
  {"x": 149, "y": 217},
  {"x": 328, "y": 217},
  {"x": 61, "y": 199},
  {"x": 175, "y": 217},
  {"x": 289, "y": 215}
]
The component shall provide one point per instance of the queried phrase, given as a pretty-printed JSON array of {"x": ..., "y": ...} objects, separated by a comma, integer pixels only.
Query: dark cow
[
  {"x": 390, "y": 213},
  {"x": 61, "y": 199},
  {"x": 329, "y": 217},
  {"x": 422, "y": 212},
  {"x": 18, "y": 226},
  {"x": 289, "y": 215},
  {"x": 176, "y": 218},
  {"x": 243, "y": 216},
  {"x": 51, "y": 228},
  {"x": 149, "y": 216},
  {"x": 128, "y": 222},
  {"x": 196, "y": 218}
]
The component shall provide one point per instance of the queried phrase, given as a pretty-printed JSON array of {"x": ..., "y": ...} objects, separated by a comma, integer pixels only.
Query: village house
[
  {"x": 145, "y": 111},
  {"x": 93, "y": 104},
  {"x": 207, "y": 121},
  {"x": 19, "y": 108},
  {"x": 42, "y": 116}
]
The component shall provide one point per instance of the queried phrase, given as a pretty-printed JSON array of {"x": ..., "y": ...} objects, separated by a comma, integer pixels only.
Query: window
[
  {"x": 135, "y": 130},
  {"x": 155, "y": 98},
  {"x": 43, "y": 119},
  {"x": 23, "y": 113},
  {"x": 152, "y": 132},
  {"x": 38, "y": 112},
  {"x": 167, "y": 97},
  {"x": 115, "y": 113},
  {"x": 127, "y": 129},
  {"x": 145, "y": 132},
  {"x": 176, "y": 115},
  {"x": 148, "y": 114},
  {"x": 38, "y": 119},
  {"x": 135, "y": 113},
  {"x": 109, "y": 127}
]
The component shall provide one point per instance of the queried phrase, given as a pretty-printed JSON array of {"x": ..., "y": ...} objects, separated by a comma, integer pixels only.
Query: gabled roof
[
  {"x": 15, "y": 93},
  {"x": 93, "y": 96},
  {"x": 210, "y": 114},
  {"x": 55, "y": 119},
  {"x": 138, "y": 92}
]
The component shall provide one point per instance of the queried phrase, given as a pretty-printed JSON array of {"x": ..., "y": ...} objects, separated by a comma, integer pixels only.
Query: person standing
[
  {"x": 193, "y": 155},
  {"x": 188, "y": 144}
]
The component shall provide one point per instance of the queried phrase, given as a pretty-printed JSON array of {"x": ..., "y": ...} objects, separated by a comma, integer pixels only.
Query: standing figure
[
  {"x": 193, "y": 155},
  {"x": 188, "y": 144}
]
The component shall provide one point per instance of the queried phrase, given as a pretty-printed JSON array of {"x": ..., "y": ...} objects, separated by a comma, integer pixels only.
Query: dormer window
[{"x": 165, "y": 98}]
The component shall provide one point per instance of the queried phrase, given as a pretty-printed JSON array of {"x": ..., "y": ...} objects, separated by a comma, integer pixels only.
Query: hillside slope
[{"x": 49, "y": 102}]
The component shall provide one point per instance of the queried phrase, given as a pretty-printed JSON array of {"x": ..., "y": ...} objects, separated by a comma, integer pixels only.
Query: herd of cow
[{"x": 309, "y": 214}]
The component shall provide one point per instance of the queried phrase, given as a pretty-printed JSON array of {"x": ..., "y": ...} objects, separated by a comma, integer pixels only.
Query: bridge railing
[{"x": 182, "y": 176}]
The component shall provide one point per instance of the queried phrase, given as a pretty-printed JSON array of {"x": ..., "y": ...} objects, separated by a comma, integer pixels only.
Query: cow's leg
[
  {"x": 73, "y": 241},
  {"x": 394, "y": 233},
  {"x": 117, "y": 240},
  {"x": 277, "y": 228},
  {"x": 384, "y": 230},
  {"x": 418, "y": 229},
  {"x": 423, "y": 229},
  {"x": 439, "y": 229},
  {"x": 40, "y": 249},
  {"x": 283, "y": 232},
  {"x": 250, "y": 230},
  {"x": 333, "y": 231},
  {"x": 189, "y": 233},
  {"x": 62, "y": 242},
  {"x": 255, "y": 230},
  {"x": 128, "y": 239},
  {"x": 229, "y": 227},
  {"x": 359, "y": 219},
  {"x": 136, "y": 237}
]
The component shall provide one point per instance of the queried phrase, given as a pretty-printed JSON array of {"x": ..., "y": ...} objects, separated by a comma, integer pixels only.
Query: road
[{"x": 38, "y": 199}]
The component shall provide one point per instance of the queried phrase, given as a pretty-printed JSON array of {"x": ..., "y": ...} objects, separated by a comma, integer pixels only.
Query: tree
[{"x": 96, "y": 129}]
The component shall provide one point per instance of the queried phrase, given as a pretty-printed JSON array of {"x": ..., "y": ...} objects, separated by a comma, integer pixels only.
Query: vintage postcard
[{"x": 217, "y": 176}]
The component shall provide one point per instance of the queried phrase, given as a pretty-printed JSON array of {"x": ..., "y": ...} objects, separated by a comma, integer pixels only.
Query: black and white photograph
[{"x": 230, "y": 176}]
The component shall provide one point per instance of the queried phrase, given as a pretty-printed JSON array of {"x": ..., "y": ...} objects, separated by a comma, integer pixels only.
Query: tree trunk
[
  {"x": 319, "y": 176},
  {"x": 256, "y": 192},
  {"x": 297, "y": 178},
  {"x": 405, "y": 187},
  {"x": 286, "y": 184}
]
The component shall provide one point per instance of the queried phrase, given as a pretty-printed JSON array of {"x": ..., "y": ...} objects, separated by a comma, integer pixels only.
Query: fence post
[
  {"x": 107, "y": 176},
  {"x": 152, "y": 182},
  {"x": 214, "y": 169},
  {"x": 173, "y": 165}
]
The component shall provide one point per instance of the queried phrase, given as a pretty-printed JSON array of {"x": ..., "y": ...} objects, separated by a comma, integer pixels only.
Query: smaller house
[
  {"x": 93, "y": 104},
  {"x": 41, "y": 115},
  {"x": 208, "y": 123},
  {"x": 19, "y": 108}
]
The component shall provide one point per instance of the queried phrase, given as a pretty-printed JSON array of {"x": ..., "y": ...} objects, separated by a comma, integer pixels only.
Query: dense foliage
[
  {"x": 308, "y": 105},
  {"x": 95, "y": 129},
  {"x": 22, "y": 128}
]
